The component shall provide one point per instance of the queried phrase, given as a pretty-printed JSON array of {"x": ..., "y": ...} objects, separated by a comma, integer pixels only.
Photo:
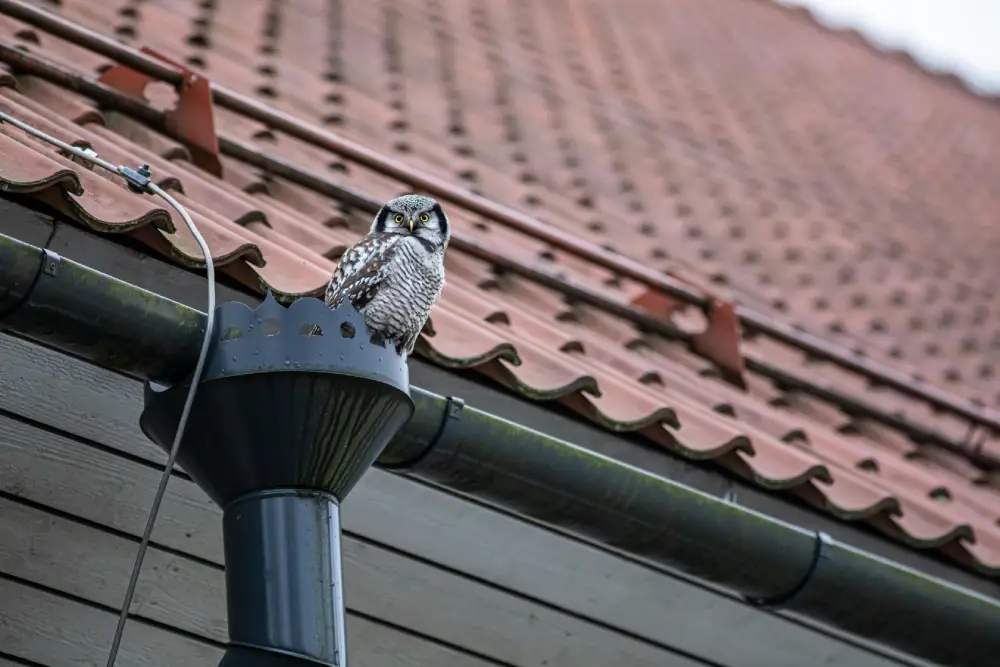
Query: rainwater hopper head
[{"x": 286, "y": 420}]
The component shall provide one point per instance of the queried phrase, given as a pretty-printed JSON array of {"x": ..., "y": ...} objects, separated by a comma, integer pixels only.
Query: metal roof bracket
[
  {"x": 719, "y": 342},
  {"x": 192, "y": 119}
]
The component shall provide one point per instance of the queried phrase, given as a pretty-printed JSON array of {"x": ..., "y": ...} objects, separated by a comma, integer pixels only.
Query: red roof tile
[{"x": 722, "y": 137}]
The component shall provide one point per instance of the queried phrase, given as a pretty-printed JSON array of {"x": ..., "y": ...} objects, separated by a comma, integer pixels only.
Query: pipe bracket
[
  {"x": 21, "y": 266},
  {"x": 820, "y": 552},
  {"x": 453, "y": 408}
]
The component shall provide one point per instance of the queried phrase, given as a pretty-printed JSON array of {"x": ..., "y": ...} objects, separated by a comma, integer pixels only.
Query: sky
[{"x": 957, "y": 36}]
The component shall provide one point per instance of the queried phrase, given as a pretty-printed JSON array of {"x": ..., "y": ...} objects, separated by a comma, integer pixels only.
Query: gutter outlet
[{"x": 283, "y": 426}]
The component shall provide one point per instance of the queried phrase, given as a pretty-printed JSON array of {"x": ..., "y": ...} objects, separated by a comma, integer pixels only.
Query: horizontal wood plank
[
  {"x": 89, "y": 564},
  {"x": 85, "y": 562},
  {"x": 51, "y": 630},
  {"x": 108, "y": 490},
  {"x": 69, "y": 395},
  {"x": 439, "y": 527},
  {"x": 55, "y": 631},
  {"x": 25, "y": 225}
]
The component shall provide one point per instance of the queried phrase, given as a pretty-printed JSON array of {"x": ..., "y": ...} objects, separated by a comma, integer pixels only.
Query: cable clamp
[
  {"x": 88, "y": 159},
  {"x": 137, "y": 179}
]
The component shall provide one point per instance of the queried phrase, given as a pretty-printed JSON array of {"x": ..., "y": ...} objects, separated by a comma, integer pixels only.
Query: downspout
[
  {"x": 765, "y": 561},
  {"x": 280, "y": 430}
]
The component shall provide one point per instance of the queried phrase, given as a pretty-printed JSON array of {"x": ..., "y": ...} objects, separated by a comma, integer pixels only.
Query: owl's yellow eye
[
  {"x": 398, "y": 219},
  {"x": 424, "y": 217}
]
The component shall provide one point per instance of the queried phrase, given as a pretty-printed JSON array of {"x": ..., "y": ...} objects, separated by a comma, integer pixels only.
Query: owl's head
[{"x": 417, "y": 215}]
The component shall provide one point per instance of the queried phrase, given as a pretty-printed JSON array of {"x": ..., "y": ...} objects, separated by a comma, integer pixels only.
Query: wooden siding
[{"x": 431, "y": 579}]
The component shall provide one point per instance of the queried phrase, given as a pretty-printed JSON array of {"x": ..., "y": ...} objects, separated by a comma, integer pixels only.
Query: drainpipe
[
  {"x": 284, "y": 424},
  {"x": 766, "y": 562},
  {"x": 282, "y": 428}
]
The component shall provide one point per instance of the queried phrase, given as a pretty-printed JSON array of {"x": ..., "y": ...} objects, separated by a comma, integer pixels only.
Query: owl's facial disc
[{"x": 416, "y": 215}]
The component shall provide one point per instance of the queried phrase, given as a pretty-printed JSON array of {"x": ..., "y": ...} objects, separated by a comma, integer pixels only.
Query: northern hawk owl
[{"x": 395, "y": 274}]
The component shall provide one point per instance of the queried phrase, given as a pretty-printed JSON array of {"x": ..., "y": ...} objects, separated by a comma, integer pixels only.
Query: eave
[{"x": 761, "y": 559}]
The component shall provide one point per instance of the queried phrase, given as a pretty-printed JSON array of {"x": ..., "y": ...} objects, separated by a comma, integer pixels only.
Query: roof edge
[
  {"x": 772, "y": 564},
  {"x": 899, "y": 56}
]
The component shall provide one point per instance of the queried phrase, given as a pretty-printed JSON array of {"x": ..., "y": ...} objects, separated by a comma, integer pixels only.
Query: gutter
[
  {"x": 767, "y": 562},
  {"x": 89, "y": 314}
]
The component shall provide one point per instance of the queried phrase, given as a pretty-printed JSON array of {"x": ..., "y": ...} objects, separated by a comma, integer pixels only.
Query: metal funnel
[{"x": 283, "y": 426}]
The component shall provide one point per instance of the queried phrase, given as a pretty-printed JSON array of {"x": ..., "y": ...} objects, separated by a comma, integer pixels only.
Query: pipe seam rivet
[{"x": 50, "y": 262}]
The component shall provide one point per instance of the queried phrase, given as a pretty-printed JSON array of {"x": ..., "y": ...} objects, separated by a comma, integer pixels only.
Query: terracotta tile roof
[{"x": 724, "y": 137}]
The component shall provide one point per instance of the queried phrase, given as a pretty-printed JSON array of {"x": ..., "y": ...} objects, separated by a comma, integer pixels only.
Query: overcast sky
[{"x": 959, "y": 36}]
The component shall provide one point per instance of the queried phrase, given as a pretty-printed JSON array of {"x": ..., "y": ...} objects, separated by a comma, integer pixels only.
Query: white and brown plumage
[{"x": 395, "y": 274}]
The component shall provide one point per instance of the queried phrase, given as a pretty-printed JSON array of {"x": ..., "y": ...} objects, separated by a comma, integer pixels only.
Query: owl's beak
[{"x": 411, "y": 225}]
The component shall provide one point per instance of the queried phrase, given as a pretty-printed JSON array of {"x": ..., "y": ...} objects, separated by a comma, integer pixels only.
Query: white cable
[
  {"x": 182, "y": 423},
  {"x": 79, "y": 152},
  {"x": 142, "y": 184}
]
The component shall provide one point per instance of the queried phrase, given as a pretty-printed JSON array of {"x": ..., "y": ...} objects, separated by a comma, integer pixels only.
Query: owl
[{"x": 395, "y": 274}]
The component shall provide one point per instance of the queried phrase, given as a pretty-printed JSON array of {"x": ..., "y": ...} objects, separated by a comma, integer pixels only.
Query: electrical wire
[{"x": 139, "y": 182}]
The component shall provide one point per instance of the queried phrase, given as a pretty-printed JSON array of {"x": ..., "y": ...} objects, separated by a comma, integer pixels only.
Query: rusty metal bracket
[
  {"x": 719, "y": 342},
  {"x": 658, "y": 304},
  {"x": 192, "y": 120}
]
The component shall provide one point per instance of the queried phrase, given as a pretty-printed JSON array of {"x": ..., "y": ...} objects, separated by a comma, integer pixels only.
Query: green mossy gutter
[
  {"x": 89, "y": 314},
  {"x": 766, "y": 561}
]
